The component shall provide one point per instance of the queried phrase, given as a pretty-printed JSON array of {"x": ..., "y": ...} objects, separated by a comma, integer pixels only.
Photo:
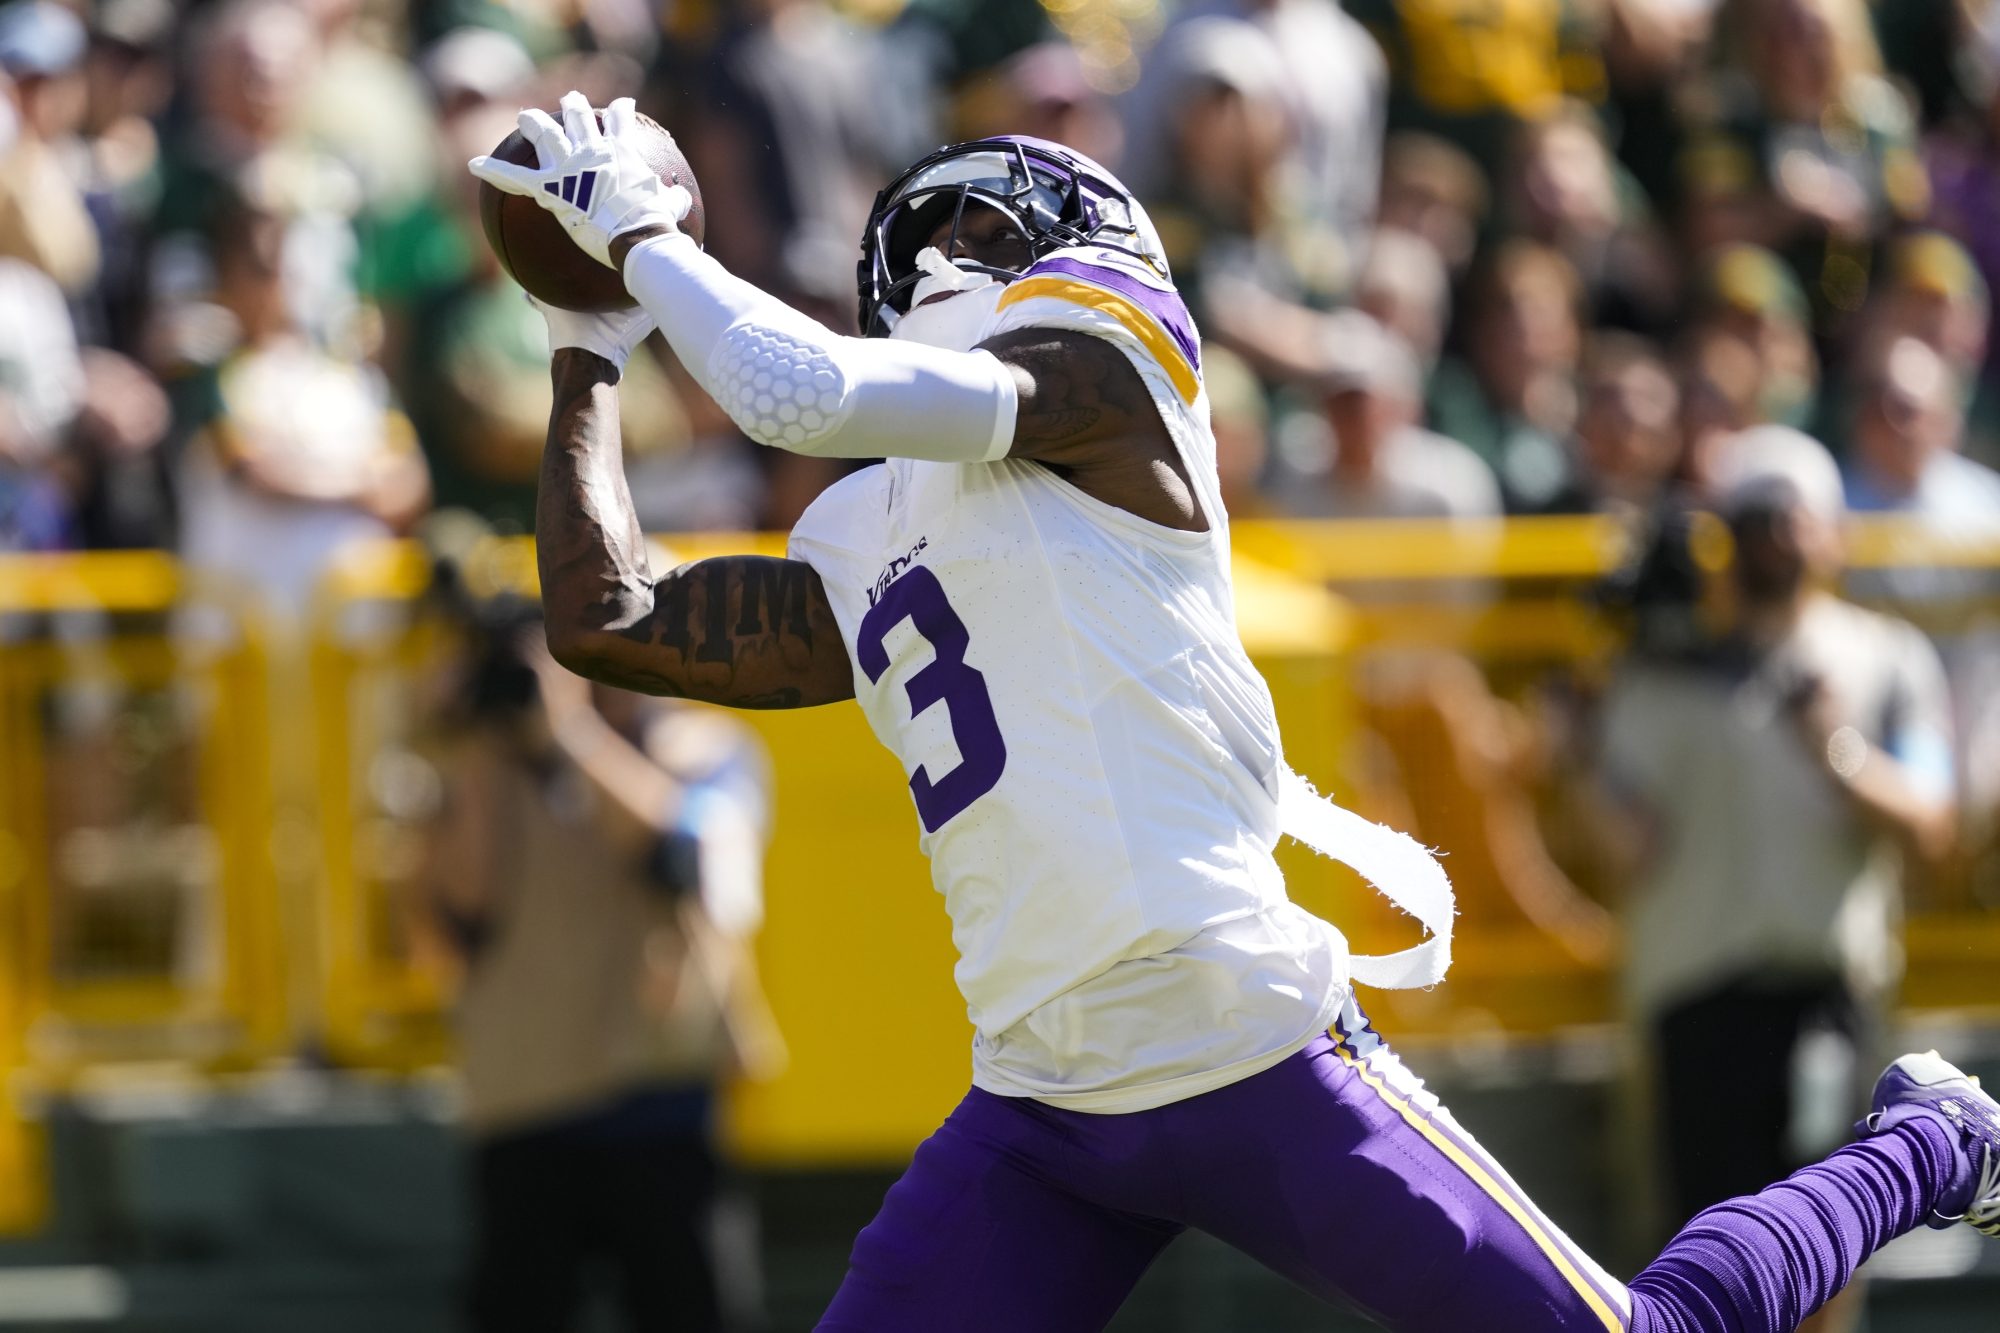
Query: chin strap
[
  {"x": 1397, "y": 865},
  {"x": 941, "y": 275},
  {"x": 959, "y": 321}
]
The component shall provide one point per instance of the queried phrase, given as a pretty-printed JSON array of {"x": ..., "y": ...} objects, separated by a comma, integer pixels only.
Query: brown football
[{"x": 537, "y": 253}]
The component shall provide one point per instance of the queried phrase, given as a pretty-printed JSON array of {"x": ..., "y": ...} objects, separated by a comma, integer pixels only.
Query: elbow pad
[
  {"x": 811, "y": 391},
  {"x": 780, "y": 389},
  {"x": 792, "y": 383}
]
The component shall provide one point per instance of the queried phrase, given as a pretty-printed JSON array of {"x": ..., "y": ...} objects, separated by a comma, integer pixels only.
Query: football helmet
[{"x": 1058, "y": 198}]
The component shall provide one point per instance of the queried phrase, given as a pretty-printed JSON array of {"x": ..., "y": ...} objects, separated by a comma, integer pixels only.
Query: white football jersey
[{"x": 1093, "y": 759}]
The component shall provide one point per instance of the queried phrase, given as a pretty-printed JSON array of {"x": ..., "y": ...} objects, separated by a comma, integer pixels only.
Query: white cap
[
  {"x": 1228, "y": 51},
  {"x": 481, "y": 61},
  {"x": 39, "y": 39},
  {"x": 1777, "y": 465}
]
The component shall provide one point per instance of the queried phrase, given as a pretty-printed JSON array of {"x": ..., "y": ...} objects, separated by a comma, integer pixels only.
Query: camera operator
[
  {"x": 596, "y": 861},
  {"x": 1777, "y": 761}
]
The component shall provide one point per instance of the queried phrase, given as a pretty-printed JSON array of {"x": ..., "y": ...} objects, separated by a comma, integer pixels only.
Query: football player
[{"x": 1031, "y": 601}]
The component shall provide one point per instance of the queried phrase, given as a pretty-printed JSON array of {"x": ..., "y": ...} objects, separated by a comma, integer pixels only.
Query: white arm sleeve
[{"x": 790, "y": 382}]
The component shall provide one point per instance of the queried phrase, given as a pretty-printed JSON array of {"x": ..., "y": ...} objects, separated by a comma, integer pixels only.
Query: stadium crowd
[{"x": 1450, "y": 260}]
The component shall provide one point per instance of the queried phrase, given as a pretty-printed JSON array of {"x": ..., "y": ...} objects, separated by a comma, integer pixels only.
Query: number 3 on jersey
[{"x": 919, "y": 598}]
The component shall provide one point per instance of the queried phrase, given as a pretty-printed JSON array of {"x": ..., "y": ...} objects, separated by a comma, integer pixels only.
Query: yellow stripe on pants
[{"x": 1483, "y": 1178}]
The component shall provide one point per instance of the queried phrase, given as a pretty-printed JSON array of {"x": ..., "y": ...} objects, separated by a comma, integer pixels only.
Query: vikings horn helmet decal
[{"x": 1058, "y": 197}]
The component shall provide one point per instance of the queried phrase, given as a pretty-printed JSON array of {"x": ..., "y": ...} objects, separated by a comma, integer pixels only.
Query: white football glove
[
  {"x": 594, "y": 180},
  {"x": 611, "y": 335}
]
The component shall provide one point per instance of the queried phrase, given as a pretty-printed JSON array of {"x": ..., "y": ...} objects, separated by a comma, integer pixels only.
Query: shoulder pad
[{"x": 1118, "y": 285}]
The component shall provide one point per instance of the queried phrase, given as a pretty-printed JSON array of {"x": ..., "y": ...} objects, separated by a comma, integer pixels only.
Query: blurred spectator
[
  {"x": 251, "y": 61},
  {"x": 629, "y": 28},
  {"x": 1720, "y": 378},
  {"x": 41, "y": 386},
  {"x": 79, "y": 430},
  {"x": 1386, "y": 465},
  {"x": 1255, "y": 280},
  {"x": 40, "y": 374},
  {"x": 1627, "y": 447},
  {"x": 1747, "y": 293},
  {"x": 1328, "y": 77},
  {"x": 461, "y": 340},
  {"x": 1434, "y": 190},
  {"x": 596, "y": 864},
  {"x": 298, "y": 453},
  {"x": 1565, "y": 190},
  {"x": 1807, "y": 149},
  {"x": 248, "y": 63},
  {"x": 781, "y": 125},
  {"x": 1338, "y": 84},
  {"x": 1513, "y": 396},
  {"x": 129, "y": 71},
  {"x": 1774, "y": 782},
  {"x": 1935, "y": 294},
  {"x": 1908, "y": 426},
  {"x": 1656, "y": 57},
  {"x": 1907, "y": 429},
  {"x": 1963, "y": 158},
  {"x": 1045, "y": 91},
  {"x": 1404, "y": 286},
  {"x": 477, "y": 80},
  {"x": 42, "y": 214},
  {"x": 114, "y": 469},
  {"x": 1472, "y": 71},
  {"x": 367, "y": 107},
  {"x": 959, "y": 38}
]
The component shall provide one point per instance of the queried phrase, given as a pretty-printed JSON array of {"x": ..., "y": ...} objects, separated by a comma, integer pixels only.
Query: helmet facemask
[{"x": 1042, "y": 189}]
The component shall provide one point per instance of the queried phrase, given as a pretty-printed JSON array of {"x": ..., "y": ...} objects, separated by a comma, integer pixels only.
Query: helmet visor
[{"x": 1001, "y": 180}]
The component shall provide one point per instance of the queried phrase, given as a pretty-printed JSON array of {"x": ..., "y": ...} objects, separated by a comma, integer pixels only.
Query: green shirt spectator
[{"x": 1804, "y": 148}]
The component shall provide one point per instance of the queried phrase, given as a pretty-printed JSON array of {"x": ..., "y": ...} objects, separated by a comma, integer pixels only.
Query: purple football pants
[{"x": 1336, "y": 1169}]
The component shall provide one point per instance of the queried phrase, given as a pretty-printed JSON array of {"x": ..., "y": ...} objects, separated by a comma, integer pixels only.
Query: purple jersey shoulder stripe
[{"x": 1164, "y": 306}]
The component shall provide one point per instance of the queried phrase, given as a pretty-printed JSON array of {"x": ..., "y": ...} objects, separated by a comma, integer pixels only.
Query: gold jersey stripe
[{"x": 1136, "y": 320}]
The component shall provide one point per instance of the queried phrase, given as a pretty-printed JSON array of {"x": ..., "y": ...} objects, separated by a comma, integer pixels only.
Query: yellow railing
[
  {"x": 140, "y": 917},
  {"x": 293, "y": 928}
]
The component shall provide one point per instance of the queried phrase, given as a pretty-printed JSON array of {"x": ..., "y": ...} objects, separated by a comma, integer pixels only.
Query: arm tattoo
[
  {"x": 1055, "y": 427},
  {"x": 1078, "y": 391},
  {"x": 1085, "y": 414},
  {"x": 748, "y": 631}
]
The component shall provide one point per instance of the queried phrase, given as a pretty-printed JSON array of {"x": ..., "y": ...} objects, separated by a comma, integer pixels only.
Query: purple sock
[{"x": 1763, "y": 1263}]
